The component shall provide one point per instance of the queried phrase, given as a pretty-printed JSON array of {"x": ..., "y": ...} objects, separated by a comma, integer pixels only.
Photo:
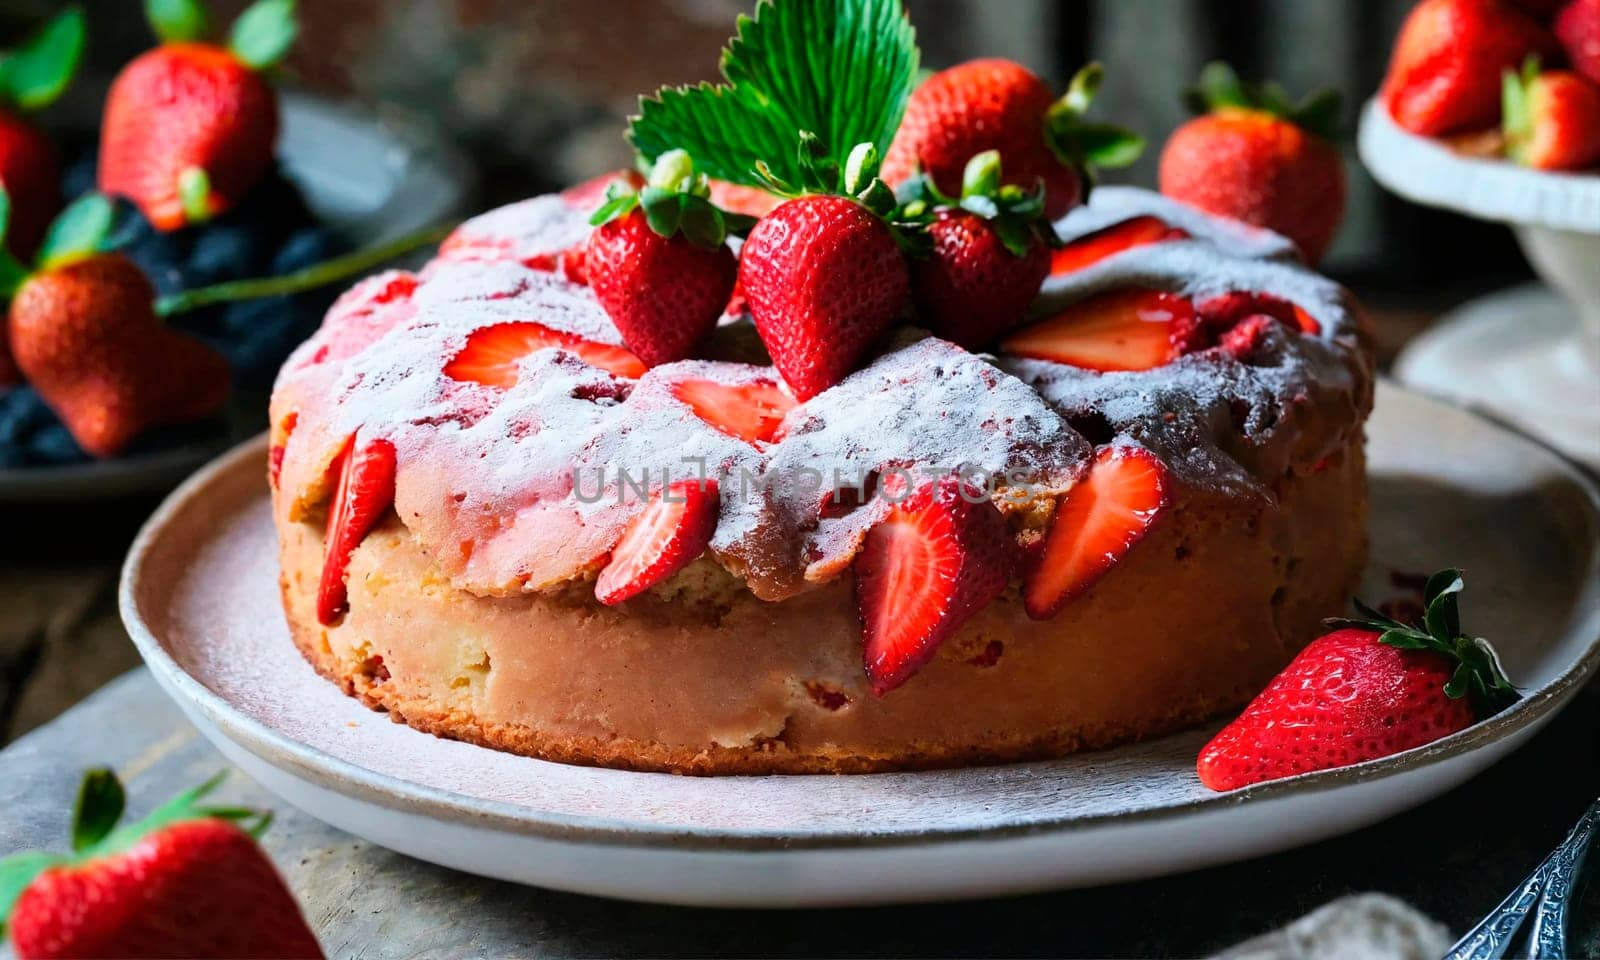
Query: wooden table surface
[{"x": 60, "y": 640}]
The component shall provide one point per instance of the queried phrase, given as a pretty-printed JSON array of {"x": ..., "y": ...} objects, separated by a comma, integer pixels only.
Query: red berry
[
  {"x": 970, "y": 288},
  {"x": 990, "y": 104},
  {"x": 941, "y": 555},
  {"x": 364, "y": 495},
  {"x": 664, "y": 294},
  {"x": 824, "y": 280},
  {"x": 1261, "y": 169},
  {"x": 1095, "y": 525},
  {"x": 672, "y": 532},
  {"x": 1444, "y": 75},
  {"x": 1130, "y": 329},
  {"x": 186, "y": 106},
  {"x": 1346, "y": 698},
  {"x": 87, "y": 338}
]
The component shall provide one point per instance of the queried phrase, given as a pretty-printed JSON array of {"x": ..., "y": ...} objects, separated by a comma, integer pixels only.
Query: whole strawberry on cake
[{"x": 755, "y": 463}]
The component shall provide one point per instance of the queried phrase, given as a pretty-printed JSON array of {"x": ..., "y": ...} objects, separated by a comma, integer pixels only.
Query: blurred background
[{"x": 536, "y": 93}]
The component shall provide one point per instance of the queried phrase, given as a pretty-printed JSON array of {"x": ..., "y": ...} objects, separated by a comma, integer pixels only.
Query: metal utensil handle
[
  {"x": 1492, "y": 937},
  {"x": 1494, "y": 934},
  {"x": 1548, "y": 938}
]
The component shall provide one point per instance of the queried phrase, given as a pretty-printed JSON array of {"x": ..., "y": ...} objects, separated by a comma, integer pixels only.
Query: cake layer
[{"x": 700, "y": 676}]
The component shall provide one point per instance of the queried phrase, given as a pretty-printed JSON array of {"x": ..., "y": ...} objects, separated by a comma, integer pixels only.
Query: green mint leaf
[
  {"x": 264, "y": 33},
  {"x": 80, "y": 231},
  {"x": 98, "y": 808},
  {"x": 840, "y": 69},
  {"x": 35, "y": 74},
  {"x": 178, "y": 21}
]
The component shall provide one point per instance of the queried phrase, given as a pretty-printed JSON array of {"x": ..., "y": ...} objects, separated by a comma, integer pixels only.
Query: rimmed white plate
[
  {"x": 370, "y": 179},
  {"x": 200, "y": 598}
]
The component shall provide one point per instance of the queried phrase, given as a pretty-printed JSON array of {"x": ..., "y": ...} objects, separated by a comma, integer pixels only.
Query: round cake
[{"x": 516, "y": 441}]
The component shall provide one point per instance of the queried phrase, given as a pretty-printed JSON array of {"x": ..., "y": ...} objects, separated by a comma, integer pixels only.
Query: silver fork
[{"x": 1545, "y": 895}]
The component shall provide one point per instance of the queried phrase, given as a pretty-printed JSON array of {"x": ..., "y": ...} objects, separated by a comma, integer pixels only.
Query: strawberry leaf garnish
[
  {"x": 99, "y": 806},
  {"x": 674, "y": 200},
  {"x": 264, "y": 33},
  {"x": 1478, "y": 673},
  {"x": 1220, "y": 88},
  {"x": 839, "y": 71},
  {"x": 1516, "y": 107},
  {"x": 1017, "y": 214},
  {"x": 36, "y": 73},
  {"x": 12, "y": 272},
  {"x": 80, "y": 231},
  {"x": 1086, "y": 145},
  {"x": 178, "y": 21}
]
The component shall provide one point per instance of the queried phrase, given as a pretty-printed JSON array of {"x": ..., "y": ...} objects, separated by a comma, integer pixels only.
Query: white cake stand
[{"x": 1530, "y": 355}]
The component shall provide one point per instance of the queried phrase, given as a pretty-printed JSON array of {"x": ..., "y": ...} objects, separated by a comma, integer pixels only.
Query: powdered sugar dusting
[
  {"x": 525, "y": 487},
  {"x": 532, "y": 232},
  {"x": 1109, "y": 206}
]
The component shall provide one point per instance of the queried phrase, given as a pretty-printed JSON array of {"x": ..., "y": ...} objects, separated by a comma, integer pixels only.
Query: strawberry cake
[{"x": 499, "y": 525}]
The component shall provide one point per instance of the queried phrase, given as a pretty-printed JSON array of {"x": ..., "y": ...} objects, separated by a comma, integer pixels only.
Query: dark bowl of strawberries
[{"x": 158, "y": 269}]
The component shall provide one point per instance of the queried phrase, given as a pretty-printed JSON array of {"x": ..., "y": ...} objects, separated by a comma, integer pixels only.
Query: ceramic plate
[
  {"x": 371, "y": 180},
  {"x": 200, "y": 598},
  {"x": 1428, "y": 172}
]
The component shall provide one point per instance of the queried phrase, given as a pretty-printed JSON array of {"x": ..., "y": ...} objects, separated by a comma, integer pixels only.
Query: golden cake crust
[{"x": 1192, "y": 623}]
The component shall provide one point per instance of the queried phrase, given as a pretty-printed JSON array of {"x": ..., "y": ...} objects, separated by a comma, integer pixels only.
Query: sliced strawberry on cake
[
  {"x": 493, "y": 355},
  {"x": 751, "y": 411},
  {"x": 942, "y": 554},
  {"x": 1095, "y": 525},
  {"x": 364, "y": 495},
  {"x": 1087, "y": 251},
  {"x": 672, "y": 532},
  {"x": 1133, "y": 329}
]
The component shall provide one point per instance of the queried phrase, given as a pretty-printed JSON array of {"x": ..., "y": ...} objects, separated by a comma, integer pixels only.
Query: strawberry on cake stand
[{"x": 1497, "y": 138}]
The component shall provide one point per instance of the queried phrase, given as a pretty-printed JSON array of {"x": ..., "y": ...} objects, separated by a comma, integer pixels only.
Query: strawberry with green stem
[
  {"x": 1551, "y": 118},
  {"x": 813, "y": 96},
  {"x": 1371, "y": 688},
  {"x": 84, "y": 327},
  {"x": 987, "y": 255},
  {"x": 659, "y": 263},
  {"x": 32, "y": 76},
  {"x": 824, "y": 273},
  {"x": 190, "y": 126},
  {"x": 189, "y": 880},
  {"x": 996, "y": 104},
  {"x": 1257, "y": 156}
]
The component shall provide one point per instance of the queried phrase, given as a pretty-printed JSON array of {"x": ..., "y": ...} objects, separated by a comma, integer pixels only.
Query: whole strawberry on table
[
  {"x": 1371, "y": 688},
  {"x": 188, "y": 880},
  {"x": 188, "y": 140}
]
